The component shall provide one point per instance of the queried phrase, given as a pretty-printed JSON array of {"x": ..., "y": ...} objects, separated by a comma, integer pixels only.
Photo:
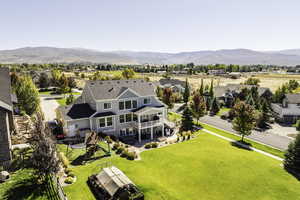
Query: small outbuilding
[{"x": 112, "y": 184}]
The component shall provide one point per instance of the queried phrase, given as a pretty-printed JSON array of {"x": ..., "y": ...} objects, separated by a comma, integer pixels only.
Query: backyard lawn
[
  {"x": 21, "y": 185},
  {"x": 206, "y": 167}
]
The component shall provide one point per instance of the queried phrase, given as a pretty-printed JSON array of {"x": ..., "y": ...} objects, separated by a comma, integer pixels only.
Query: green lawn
[
  {"x": 22, "y": 186},
  {"x": 62, "y": 101},
  {"x": 49, "y": 93},
  {"x": 222, "y": 110},
  {"x": 254, "y": 144},
  {"x": 206, "y": 167},
  {"x": 174, "y": 116}
]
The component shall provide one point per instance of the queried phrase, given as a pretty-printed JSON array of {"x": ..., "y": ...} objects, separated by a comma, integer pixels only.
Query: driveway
[
  {"x": 48, "y": 105},
  {"x": 266, "y": 137}
]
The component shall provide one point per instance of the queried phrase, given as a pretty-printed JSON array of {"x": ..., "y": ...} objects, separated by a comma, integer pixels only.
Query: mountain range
[{"x": 290, "y": 57}]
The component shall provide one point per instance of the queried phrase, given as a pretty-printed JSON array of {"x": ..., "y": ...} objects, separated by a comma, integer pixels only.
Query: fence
[{"x": 59, "y": 190}]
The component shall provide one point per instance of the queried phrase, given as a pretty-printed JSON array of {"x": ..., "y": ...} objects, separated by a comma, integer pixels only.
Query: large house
[
  {"x": 6, "y": 116},
  {"x": 175, "y": 84},
  {"x": 117, "y": 107},
  {"x": 289, "y": 110},
  {"x": 228, "y": 93}
]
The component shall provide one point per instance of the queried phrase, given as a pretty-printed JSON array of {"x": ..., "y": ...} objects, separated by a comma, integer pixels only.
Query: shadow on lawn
[
  {"x": 25, "y": 189},
  {"x": 293, "y": 173},
  {"x": 80, "y": 160},
  {"x": 241, "y": 145}
]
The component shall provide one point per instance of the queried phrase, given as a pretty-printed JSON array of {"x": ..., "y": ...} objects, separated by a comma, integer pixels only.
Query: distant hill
[
  {"x": 60, "y": 55},
  {"x": 227, "y": 56}
]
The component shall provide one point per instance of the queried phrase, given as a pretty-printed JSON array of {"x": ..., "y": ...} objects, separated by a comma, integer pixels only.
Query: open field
[
  {"x": 272, "y": 81},
  {"x": 206, "y": 167}
]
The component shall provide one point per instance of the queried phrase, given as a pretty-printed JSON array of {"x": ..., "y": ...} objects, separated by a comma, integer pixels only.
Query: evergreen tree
[
  {"x": 198, "y": 106},
  {"x": 44, "y": 158},
  {"x": 187, "y": 119},
  {"x": 186, "y": 94},
  {"x": 201, "y": 89},
  {"x": 244, "y": 120},
  {"x": 292, "y": 156},
  {"x": 250, "y": 100},
  {"x": 265, "y": 110},
  {"x": 214, "y": 106},
  {"x": 211, "y": 89}
]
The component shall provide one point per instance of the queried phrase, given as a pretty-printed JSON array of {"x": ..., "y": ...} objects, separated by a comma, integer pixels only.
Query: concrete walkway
[
  {"x": 243, "y": 145},
  {"x": 49, "y": 106}
]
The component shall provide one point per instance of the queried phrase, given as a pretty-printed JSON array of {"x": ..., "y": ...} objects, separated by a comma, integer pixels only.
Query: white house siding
[{"x": 75, "y": 125}]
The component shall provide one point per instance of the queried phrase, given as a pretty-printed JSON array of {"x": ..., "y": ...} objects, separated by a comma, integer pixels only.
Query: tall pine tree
[
  {"x": 186, "y": 94},
  {"x": 187, "y": 119},
  {"x": 292, "y": 156}
]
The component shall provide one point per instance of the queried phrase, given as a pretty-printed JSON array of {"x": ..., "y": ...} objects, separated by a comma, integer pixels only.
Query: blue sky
[{"x": 151, "y": 25}]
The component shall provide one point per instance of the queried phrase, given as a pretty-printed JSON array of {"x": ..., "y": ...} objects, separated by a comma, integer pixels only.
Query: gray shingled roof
[
  {"x": 171, "y": 82},
  {"x": 76, "y": 111},
  {"x": 221, "y": 90},
  {"x": 293, "y": 98},
  {"x": 111, "y": 89},
  {"x": 5, "y": 89}
]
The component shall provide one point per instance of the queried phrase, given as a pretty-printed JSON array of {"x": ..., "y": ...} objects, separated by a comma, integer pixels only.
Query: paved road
[
  {"x": 277, "y": 141},
  {"x": 48, "y": 105}
]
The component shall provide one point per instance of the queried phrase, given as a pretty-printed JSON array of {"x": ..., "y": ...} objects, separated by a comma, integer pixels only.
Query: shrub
[
  {"x": 131, "y": 155},
  {"x": 124, "y": 154},
  {"x": 64, "y": 159},
  {"x": 114, "y": 138},
  {"x": 154, "y": 145},
  {"x": 116, "y": 146},
  {"x": 188, "y": 136},
  {"x": 224, "y": 116},
  {"x": 71, "y": 174},
  {"x": 68, "y": 170},
  {"x": 108, "y": 139},
  {"x": 148, "y": 145},
  {"x": 120, "y": 150},
  {"x": 69, "y": 180}
]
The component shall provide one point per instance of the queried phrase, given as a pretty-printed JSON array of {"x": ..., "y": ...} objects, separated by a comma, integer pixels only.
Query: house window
[
  {"x": 134, "y": 104},
  {"x": 102, "y": 122},
  {"x": 128, "y": 117},
  {"x": 107, "y": 105},
  {"x": 109, "y": 121},
  {"x": 135, "y": 118},
  {"x": 122, "y": 118},
  {"x": 121, "y": 105},
  {"x": 128, "y": 104},
  {"x": 147, "y": 101},
  {"x": 123, "y": 132}
]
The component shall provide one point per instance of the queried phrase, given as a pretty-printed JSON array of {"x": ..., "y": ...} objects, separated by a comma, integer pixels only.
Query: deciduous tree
[
  {"x": 244, "y": 121},
  {"x": 198, "y": 106}
]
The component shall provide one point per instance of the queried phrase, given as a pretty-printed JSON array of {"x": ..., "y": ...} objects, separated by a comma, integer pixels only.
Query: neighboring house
[
  {"x": 216, "y": 71},
  {"x": 175, "y": 84},
  {"x": 289, "y": 110},
  {"x": 117, "y": 107},
  {"x": 228, "y": 93},
  {"x": 6, "y": 116}
]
